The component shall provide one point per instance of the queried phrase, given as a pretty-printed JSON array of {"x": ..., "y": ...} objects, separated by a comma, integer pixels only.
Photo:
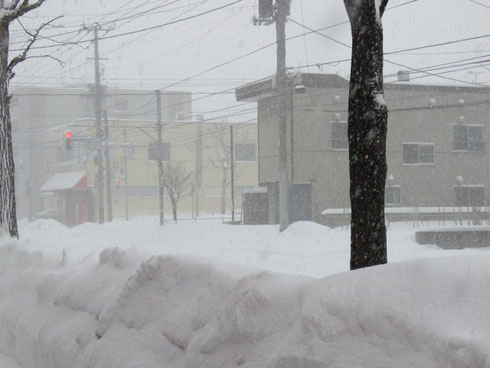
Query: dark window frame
[
  {"x": 245, "y": 152},
  {"x": 392, "y": 189},
  {"x": 421, "y": 156},
  {"x": 153, "y": 151},
  {"x": 464, "y": 138},
  {"x": 340, "y": 137},
  {"x": 469, "y": 195}
]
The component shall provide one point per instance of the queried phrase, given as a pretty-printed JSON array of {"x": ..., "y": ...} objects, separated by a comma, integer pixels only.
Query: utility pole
[
  {"x": 281, "y": 15},
  {"x": 99, "y": 180},
  {"x": 108, "y": 168},
  {"x": 232, "y": 152},
  {"x": 126, "y": 153},
  {"x": 160, "y": 154},
  {"x": 269, "y": 14}
]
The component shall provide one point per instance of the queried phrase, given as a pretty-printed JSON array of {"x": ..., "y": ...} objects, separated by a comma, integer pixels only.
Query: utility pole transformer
[
  {"x": 160, "y": 154},
  {"x": 279, "y": 15}
]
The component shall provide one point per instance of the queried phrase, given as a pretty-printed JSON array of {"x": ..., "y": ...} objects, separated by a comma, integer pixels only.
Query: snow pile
[{"x": 81, "y": 304}]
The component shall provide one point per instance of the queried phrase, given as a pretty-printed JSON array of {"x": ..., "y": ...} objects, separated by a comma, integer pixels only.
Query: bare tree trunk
[
  {"x": 174, "y": 210},
  {"x": 8, "y": 217},
  {"x": 223, "y": 190},
  {"x": 367, "y": 128}
]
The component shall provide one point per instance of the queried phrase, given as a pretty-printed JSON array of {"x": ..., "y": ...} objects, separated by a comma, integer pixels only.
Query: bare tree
[
  {"x": 222, "y": 160},
  {"x": 367, "y": 128},
  {"x": 178, "y": 181},
  {"x": 9, "y": 12}
]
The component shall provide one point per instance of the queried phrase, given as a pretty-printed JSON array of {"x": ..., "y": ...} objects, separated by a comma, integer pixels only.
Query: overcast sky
[{"x": 165, "y": 55}]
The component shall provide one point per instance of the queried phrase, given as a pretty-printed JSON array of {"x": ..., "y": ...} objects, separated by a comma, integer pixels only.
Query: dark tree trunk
[
  {"x": 367, "y": 128},
  {"x": 8, "y": 217}
]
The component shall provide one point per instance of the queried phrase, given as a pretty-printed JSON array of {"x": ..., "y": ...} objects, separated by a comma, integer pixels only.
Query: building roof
[
  {"x": 264, "y": 88},
  {"x": 64, "y": 181}
]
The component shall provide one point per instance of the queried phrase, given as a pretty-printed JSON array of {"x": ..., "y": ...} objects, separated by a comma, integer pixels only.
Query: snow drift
[{"x": 122, "y": 307}]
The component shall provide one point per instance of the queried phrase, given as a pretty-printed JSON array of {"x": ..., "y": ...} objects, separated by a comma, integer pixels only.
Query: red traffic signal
[{"x": 68, "y": 137}]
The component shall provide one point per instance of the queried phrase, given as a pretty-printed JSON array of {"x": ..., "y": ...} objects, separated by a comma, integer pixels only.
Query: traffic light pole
[
  {"x": 160, "y": 152},
  {"x": 281, "y": 15}
]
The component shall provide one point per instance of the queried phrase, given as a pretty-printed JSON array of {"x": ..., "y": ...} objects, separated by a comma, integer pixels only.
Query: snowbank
[{"x": 74, "y": 298}]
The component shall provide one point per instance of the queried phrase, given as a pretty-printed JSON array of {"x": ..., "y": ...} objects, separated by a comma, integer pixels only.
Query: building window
[
  {"x": 154, "y": 153},
  {"x": 245, "y": 152},
  {"x": 393, "y": 195},
  {"x": 468, "y": 138},
  {"x": 418, "y": 153},
  {"x": 469, "y": 195},
  {"x": 339, "y": 135},
  {"x": 180, "y": 116}
]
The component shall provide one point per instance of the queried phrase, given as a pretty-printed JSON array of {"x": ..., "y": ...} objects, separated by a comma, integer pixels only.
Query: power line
[
  {"x": 410, "y": 49},
  {"x": 146, "y": 28},
  {"x": 476, "y": 2}
]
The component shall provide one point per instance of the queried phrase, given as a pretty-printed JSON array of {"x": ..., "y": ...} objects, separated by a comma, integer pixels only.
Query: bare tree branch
[
  {"x": 61, "y": 62},
  {"x": 14, "y": 4},
  {"x": 382, "y": 7},
  {"x": 20, "y": 58},
  {"x": 24, "y": 7}
]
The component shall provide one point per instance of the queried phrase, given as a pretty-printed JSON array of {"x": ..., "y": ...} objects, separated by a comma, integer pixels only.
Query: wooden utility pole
[
  {"x": 160, "y": 158},
  {"x": 232, "y": 153},
  {"x": 108, "y": 168},
  {"x": 281, "y": 15},
  {"x": 268, "y": 15},
  {"x": 98, "y": 125}
]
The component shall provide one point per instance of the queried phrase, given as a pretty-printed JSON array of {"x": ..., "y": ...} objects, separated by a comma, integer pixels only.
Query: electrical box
[
  {"x": 266, "y": 9},
  {"x": 404, "y": 76}
]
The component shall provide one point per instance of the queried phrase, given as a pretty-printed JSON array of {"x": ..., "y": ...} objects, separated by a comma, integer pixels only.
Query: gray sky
[{"x": 166, "y": 55}]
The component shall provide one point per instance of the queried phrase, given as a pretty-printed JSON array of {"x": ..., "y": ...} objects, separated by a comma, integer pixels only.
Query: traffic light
[{"x": 68, "y": 140}]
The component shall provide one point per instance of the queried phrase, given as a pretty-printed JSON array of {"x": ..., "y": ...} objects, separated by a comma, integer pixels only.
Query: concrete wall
[{"x": 410, "y": 120}]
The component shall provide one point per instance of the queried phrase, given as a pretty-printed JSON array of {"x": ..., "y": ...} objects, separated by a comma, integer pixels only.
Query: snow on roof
[{"x": 62, "y": 181}]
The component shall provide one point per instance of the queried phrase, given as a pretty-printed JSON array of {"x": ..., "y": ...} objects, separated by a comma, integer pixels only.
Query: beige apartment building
[
  {"x": 57, "y": 181},
  {"x": 39, "y": 114},
  {"x": 203, "y": 147},
  {"x": 437, "y": 147}
]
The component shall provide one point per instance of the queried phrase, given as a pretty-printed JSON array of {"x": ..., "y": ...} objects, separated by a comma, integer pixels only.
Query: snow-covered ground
[{"x": 133, "y": 294}]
